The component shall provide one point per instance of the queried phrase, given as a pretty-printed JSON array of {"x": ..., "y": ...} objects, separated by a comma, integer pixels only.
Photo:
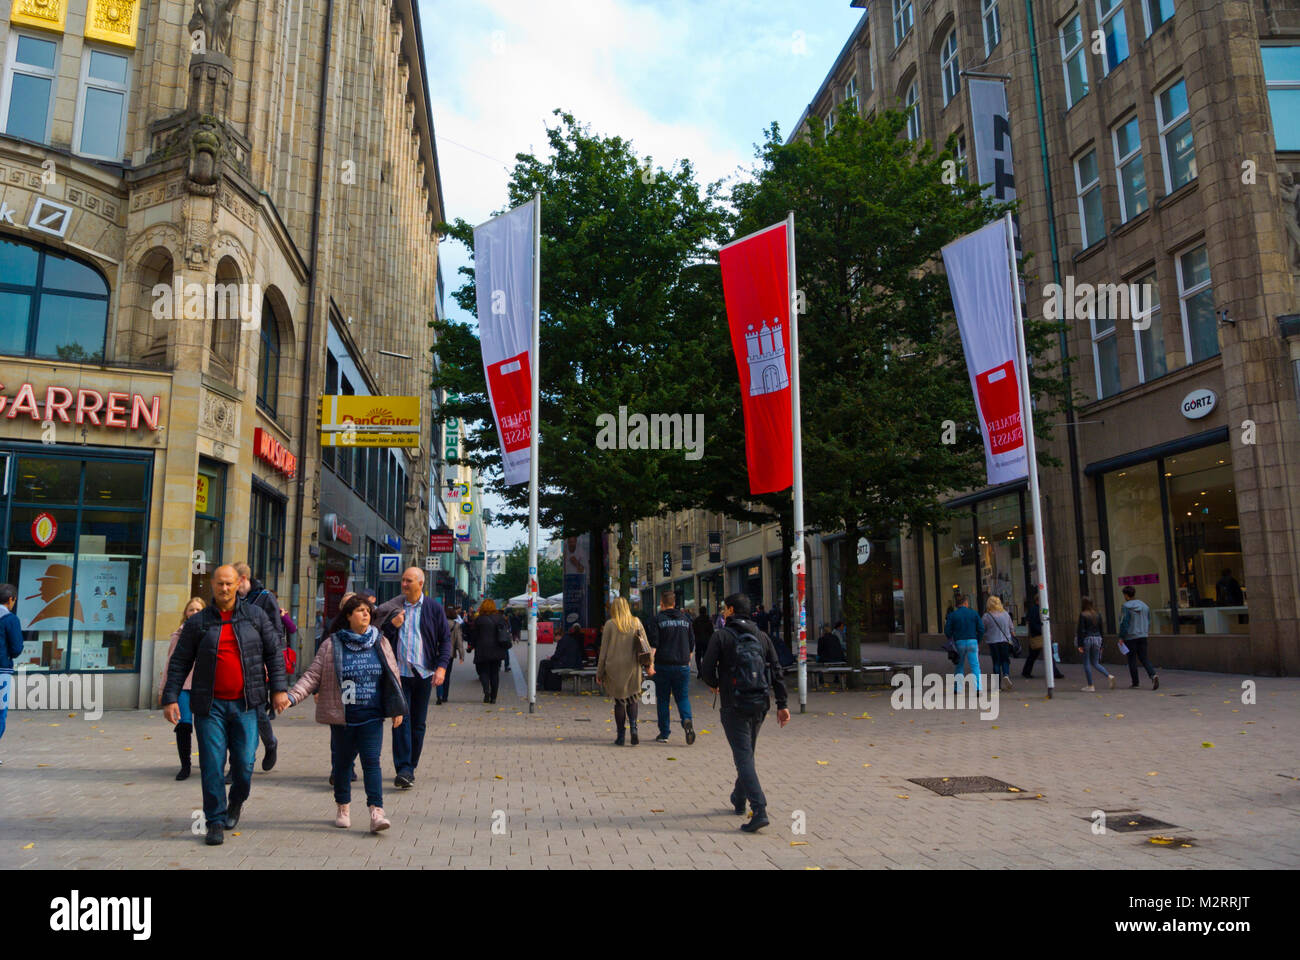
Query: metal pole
[
  {"x": 798, "y": 556},
  {"x": 1027, "y": 423},
  {"x": 533, "y": 420}
]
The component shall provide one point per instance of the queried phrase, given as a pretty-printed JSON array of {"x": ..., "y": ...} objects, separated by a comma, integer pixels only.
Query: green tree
[
  {"x": 617, "y": 238},
  {"x": 881, "y": 362},
  {"x": 513, "y": 579}
]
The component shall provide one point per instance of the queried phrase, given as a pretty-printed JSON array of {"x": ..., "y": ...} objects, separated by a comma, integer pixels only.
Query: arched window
[
  {"x": 52, "y": 305},
  {"x": 949, "y": 68},
  {"x": 912, "y": 108},
  {"x": 268, "y": 364}
]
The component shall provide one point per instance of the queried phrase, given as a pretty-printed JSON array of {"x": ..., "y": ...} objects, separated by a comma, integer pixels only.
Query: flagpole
[
  {"x": 534, "y": 358},
  {"x": 1027, "y": 423},
  {"x": 797, "y": 551}
]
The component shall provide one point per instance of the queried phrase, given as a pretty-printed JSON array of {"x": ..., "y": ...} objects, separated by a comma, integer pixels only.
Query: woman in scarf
[{"x": 356, "y": 676}]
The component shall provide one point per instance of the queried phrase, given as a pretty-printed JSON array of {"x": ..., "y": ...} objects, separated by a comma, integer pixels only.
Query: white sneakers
[
  {"x": 344, "y": 818},
  {"x": 1089, "y": 689},
  {"x": 1006, "y": 682},
  {"x": 377, "y": 820},
  {"x": 1111, "y": 678}
]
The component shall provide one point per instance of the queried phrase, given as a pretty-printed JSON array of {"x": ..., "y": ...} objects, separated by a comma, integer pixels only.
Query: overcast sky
[{"x": 681, "y": 79}]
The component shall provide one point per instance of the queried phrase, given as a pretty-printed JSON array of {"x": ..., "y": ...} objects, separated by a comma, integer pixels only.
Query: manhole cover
[
  {"x": 1122, "y": 822},
  {"x": 951, "y": 786}
]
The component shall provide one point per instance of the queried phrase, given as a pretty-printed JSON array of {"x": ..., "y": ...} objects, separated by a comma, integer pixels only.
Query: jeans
[
  {"x": 227, "y": 727},
  {"x": 489, "y": 674},
  {"x": 1092, "y": 658},
  {"x": 183, "y": 704},
  {"x": 674, "y": 682},
  {"x": 345, "y": 743},
  {"x": 6, "y": 692},
  {"x": 968, "y": 659},
  {"x": 1001, "y": 654},
  {"x": 742, "y": 735},
  {"x": 408, "y": 739},
  {"x": 445, "y": 687},
  {"x": 1137, "y": 650}
]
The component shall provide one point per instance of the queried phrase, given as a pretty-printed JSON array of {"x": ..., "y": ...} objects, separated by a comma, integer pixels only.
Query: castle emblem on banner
[{"x": 766, "y": 355}]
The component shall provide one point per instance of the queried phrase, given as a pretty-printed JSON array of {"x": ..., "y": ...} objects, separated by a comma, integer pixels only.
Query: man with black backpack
[{"x": 742, "y": 665}]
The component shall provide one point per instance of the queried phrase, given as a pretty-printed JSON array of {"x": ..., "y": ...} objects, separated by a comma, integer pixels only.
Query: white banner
[
  {"x": 979, "y": 276},
  {"x": 503, "y": 278}
]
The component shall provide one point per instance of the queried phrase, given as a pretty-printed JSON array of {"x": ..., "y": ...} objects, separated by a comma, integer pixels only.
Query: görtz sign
[
  {"x": 1199, "y": 403},
  {"x": 122, "y": 411}
]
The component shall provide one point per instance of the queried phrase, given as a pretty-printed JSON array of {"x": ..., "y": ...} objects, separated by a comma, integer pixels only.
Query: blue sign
[
  {"x": 390, "y": 564},
  {"x": 394, "y": 543}
]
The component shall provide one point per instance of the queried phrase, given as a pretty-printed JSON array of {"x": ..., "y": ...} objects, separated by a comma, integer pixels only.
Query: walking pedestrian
[
  {"x": 1134, "y": 625},
  {"x": 965, "y": 629},
  {"x": 234, "y": 652},
  {"x": 672, "y": 639},
  {"x": 703, "y": 628},
  {"x": 184, "y": 730},
  {"x": 359, "y": 660},
  {"x": 998, "y": 630},
  {"x": 489, "y": 640},
  {"x": 1034, "y": 621},
  {"x": 252, "y": 591},
  {"x": 11, "y": 646},
  {"x": 457, "y": 653},
  {"x": 1088, "y": 637},
  {"x": 742, "y": 665},
  {"x": 760, "y": 620},
  {"x": 623, "y": 652},
  {"x": 417, "y": 628}
]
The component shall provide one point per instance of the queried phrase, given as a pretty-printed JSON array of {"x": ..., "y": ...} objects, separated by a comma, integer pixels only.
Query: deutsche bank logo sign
[{"x": 390, "y": 564}]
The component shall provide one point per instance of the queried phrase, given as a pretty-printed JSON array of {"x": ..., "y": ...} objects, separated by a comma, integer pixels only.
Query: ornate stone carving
[
  {"x": 218, "y": 417},
  {"x": 1289, "y": 190},
  {"x": 216, "y": 18}
]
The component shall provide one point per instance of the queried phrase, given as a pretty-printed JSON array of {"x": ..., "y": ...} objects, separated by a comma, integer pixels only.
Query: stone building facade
[
  {"x": 231, "y": 209},
  {"x": 1165, "y": 158}
]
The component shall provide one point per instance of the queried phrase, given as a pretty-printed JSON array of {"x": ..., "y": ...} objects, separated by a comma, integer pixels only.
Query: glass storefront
[
  {"x": 1174, "y": 536},
  {"x": 74, "y": 535},
  {"x": 882, "y": 585},
  {"x": 209, "y": 525}
]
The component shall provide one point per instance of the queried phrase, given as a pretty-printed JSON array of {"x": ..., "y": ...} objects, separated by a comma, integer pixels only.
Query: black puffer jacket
[
  {"x": 266, "y": 601},
  {"x": 196, "y": 648},
  {"x": 483, "y": 634}
]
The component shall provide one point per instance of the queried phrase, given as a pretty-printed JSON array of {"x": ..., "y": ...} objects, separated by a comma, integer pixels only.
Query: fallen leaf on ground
[
  {"x": 902, "y": 796},
  {"x": 1207, "y": 744},
  {"x": 499, "y": 777},
  {"x": 822, "y": 763},
  {"x": 29, "y": 846},
  {"x": 1153, "y": 773},
  {"x": 1163, "y": 841},
  {"x": 798, "y": 843},
  {"x": 1013, "y": 789}
]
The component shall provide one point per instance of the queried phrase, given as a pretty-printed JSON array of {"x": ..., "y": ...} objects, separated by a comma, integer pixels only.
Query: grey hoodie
[{"x": 1135, "y": 621}]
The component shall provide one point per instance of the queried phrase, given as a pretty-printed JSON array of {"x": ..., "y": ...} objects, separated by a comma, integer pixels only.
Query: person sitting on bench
[{"x": 829, "y": 648}]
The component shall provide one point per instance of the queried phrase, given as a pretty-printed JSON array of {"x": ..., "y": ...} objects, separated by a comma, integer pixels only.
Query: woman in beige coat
[{"x": 618, "y": 669}]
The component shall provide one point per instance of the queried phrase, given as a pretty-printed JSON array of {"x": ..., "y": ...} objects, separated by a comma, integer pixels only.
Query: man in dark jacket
[
  {"x": 671, "y": 639},
  {"x": 11, "y": 646},
  {"x": 252, "y": 591},
  {"x": 829, "y": 648},
  {"x": 703, "y": 627},
  {"x": 234, "y": 652},
  {"x": 417, "y": 628},
  {"x": 741, "y": 721}
]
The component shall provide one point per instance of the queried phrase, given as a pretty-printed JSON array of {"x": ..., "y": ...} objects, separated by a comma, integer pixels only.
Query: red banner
[{"x": 756, "y": 285}]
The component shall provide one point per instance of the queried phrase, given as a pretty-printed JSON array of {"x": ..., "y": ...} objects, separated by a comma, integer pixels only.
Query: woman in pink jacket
[
  {"x": 356, "y": 675},
  {"x": 184, "y": 729}
]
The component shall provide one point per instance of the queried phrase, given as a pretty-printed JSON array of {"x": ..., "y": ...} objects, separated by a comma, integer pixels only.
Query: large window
[
  {"x": 913, "y": 110},
  {"x": 1129, "y": 171},
  {"x": 881, "y": 579},
  {"x": 983, "y": 554},
  {"x": 209, "y": 525},
  {"x": 1176, "y": 147},
  {"x": 79, "y": 596},
  {"x": 101, "y": 105},
  {"x": 1074, "y": 53},
  {"x": 902, "y": 20},
  {"x": 992, "y": 25},
  {"x": 1174, "y": 536},
  {"x": 268, "y": 364},
  {"x": 266, "y": 536},
  {"x": 950, "y": 69},
  {"x": 1114, "y": 50},
  {"x": 1282, "y": 77},
  {"x": 31, "y": 65},
  {"x": 1150, "y": 332},
  {"x": 1156, "y": 12},
  {"x": 52, "y": 306},
  {"x": 1196, "y": 303},
  {"x": 1087, "y": 180},
  {"x": 1105, "y": 350},
  {"x": 851, "y": 93}
]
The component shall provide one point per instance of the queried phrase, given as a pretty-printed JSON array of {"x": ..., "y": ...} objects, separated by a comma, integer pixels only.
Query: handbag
[
  {"x": 642, "y": 647},
  {"x": 1012, "y": 643}
]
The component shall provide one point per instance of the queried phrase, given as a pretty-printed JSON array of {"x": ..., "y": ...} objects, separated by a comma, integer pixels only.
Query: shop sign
[
  {"x": 394, "y": 543},
  {"x": 121, "y": 411},
  {"x": 668, "y": 564},
  {"x": 466, "y": 507},
  {"x": 1199, "y": 403},
  {"x": 390, "y": 566},
  {"x": 442, "y": 541},
  {"x": 1139, "y": 579},
  {"x": 271, "y": 450},
  {"x": 864, "y": 550},
  {"x": 462, "y": 531},
  {"x": 338, "y": 530},
  {"x": 715, "y": 546},
  {"x": 44, "y": 529},
  {"x": 456, "y": 491},
  {"x": 370, "y": 421},
  {"x": 201, "y": 494}
]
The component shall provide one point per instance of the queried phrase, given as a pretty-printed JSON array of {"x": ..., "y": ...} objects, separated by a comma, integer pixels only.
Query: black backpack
[{"x": 747, "y": 675}]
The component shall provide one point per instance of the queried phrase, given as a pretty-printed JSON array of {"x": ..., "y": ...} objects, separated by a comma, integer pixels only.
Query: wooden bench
[{"x": 577, "y": 676}]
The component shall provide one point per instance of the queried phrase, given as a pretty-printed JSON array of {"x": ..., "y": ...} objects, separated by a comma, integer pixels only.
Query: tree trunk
[
  {"x": 624, "y": 569},
  {"x": 851, "y": 589},
  {"x": 596, "y": 599}
]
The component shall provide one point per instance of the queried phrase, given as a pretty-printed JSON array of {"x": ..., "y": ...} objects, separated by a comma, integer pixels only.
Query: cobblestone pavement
[{"x": 1225, "y": 776}]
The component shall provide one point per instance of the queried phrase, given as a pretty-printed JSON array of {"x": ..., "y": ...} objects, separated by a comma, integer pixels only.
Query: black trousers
[
  {"x": 1137, "y": 650},
  {"x": 264, "y": 725},
  {"x": 1032, "y": 657},
  {"x": 489, "y": 674},
  {"x": 742, "y": 735}
]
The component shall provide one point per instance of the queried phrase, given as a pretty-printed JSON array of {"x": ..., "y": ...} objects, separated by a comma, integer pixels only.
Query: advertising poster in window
[{"x": 46, "y": 596}]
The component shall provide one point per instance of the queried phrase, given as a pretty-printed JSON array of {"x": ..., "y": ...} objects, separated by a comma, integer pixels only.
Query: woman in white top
[{"x": 998, "y": 631}]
